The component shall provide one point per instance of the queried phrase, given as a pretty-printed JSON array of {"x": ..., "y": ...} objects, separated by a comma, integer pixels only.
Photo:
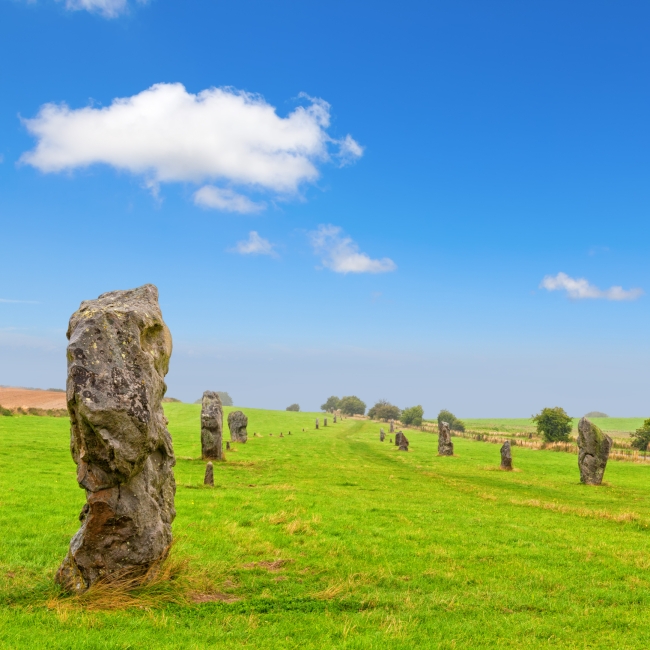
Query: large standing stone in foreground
[
  {"x": 118, "y": 357},
  {"x": 593, "y": 452},
  {"x": 445, "y": 445},
  {"x": 403, "y": 442},
  {"x": 211, "y": 426},
  {"x": 398, "y": 437},
  {"x": 237, "y": 423},
  {"x": 506, "y": 456}
]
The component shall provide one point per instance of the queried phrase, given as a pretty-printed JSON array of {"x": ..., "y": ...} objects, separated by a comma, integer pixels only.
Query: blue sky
[{"x": 437, "y": 203}]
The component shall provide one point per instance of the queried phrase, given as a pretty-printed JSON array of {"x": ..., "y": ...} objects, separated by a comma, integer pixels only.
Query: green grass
[
  {"x": 384, "y": 549},
  {"x": 616, "y": 426}
]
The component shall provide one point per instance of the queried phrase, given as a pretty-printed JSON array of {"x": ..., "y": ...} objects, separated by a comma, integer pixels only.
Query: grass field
[
  {"x": 331, "y": 539},
  {"x": 615, "y": 426}
]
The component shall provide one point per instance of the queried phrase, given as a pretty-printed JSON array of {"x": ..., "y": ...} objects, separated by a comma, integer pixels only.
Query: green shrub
[
  {"x": 352, "y": 405},
  {"x": 384, "y": 410},
  {"x": 641, "y": 437},
  {"x": 413, "y": 416},
  {"x": 293, "y": 407},
  {"x": 454, "y": 423},
  {"x": 553, "y": 424},
  {"x": 332, "y": 404},
  {"x": 5, "y": 412}
]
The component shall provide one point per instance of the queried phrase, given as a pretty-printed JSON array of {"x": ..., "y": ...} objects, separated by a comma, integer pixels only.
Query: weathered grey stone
[
  {"x": 209, "y": 475},
  {"x": 227, "y": 445},
  {"x": 382, "y": 435},
  {"x": 392, "y": 426},
  {"x": 593, "y": 452},
  {"x": 237, "y": 423},
  {"x": 118, "y": 356},
  {"x": 445, "y": 445},
  {"x": 403, "y": 442},
  {"x": 317, "y": 423},
  {"x": 335, "y": 419},
  {"x": 281, "y": 436},
  {"x": 398, "y": 438},
  {"x": 506, "y": 456},
  {"x": 211, "y": 426},
  {"x": 324, "y": 422}
]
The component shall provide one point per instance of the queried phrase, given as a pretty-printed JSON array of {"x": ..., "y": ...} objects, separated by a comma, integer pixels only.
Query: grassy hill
[
  {"x": 331, "y": 539},
  {"x": 613, "y": 426}
]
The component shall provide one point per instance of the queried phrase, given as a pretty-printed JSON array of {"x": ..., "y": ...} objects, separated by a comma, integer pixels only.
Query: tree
[
  {"x": 293, "y": 407},
  {"x": 352, "y": 405},
  {"x": 641, "y": 437},
  {"x": 553, "y": 424},
  {"x": 333, "y": 403},
  {"x": 454, "y": 423},
  {"x": 413, "y": 416},
  {"x": 384, "y": 410},
  {"x": 226, "y": 400},
  {"x": 596, "y": 414}
]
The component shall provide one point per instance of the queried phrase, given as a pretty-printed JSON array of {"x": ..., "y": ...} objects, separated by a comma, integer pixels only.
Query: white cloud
[
  {"x": 579, "y": 289},
  {"x": 255, "y": 245},
  {"x": 224, "y": 199},
  {"x": 22, "y": 302},
  {"x": 341, "y": 254},
  {"x": 107, "y": 8},
  {"x": 166, "y": 134}
]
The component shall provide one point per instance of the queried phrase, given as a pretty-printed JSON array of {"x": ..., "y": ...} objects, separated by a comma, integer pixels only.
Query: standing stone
[
  {"x": 281, "y": 436},
  {"x": 403, "y": 442},
  {"x": 211, "y": 426},
  {"x": 118, "y": 357},
  {"x": 209, "y": 475},
  {"x": 445, "y": 445},
  {"x": 335, "y": 419},
  {"x": 382, "y": 435},
  {"x": 398, "y": 438},
  {"x": 317, "y": 423},
  {"x": 324, "y": 422},
  {"x": 593, "y": 452},
  {"x": 506, "y": 456},
  {"x": 392, "y": 426},
  {"x": 237, "y": 423},
  {"x": 391, "y": 440}
]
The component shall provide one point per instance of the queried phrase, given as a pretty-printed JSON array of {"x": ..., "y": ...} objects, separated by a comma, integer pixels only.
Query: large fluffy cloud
[
  {"x": 219, "y": 135},
  {"x": 341, "y": 254},
  {"x": 580, "y": 288}
]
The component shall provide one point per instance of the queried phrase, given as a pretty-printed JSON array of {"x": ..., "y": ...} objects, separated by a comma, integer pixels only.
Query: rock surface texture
[
  {"x": 118, "y": 357},
  {"x": 398, "y": 438},
  {"x": 211, "y": 426},
  {"x": 237, "y": 423},
  {"x": 593, "y": 452},
  {"x": 382, "y": 435},
  {"x": 403, "y": 442},
  {"x": 506, "y": 456},
  {"x": 209, "y": 475},
  {"x": 445, "y": 445}
]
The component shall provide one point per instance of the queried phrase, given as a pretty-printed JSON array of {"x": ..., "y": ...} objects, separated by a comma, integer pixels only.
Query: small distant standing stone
[
  {"x": 227, "y": 445},
  {"x": 281, "y": 436},
  {"x": 506, "y": 456},
  {"x": 237, "y": 423},
  {"x": 211, "y": 426},
  {"x": 445, "y": 445},
  {"x": 335, "y": 419},
  {"x": 403, "y": 442},
  {"x": 324, "y": 422},
  {"x": 593, "y": 452},
  {"x": 289, "y": 433},
  {"x": 382, "y": 435},
  {"x": 391, "y": 440},
  {"x": 209, "y": 475},
  {"x": 317, "y": 423},
  {"x": 392, "y": 426}
]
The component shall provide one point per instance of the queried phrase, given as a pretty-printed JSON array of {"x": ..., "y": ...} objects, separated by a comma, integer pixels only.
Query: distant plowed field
[{"x": 12, "y": 398}]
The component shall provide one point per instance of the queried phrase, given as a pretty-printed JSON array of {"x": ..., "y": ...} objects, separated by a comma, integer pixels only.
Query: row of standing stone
[{"x": 593, "y": 449}]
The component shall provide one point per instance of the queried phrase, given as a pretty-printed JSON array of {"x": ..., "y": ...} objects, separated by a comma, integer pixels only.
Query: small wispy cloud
[
  {"x": 255, "y": 245},
  {"x": 23, "y": 302},
  {"x": 341, "y": 254},
  {"x": 218, "y": 198},
  {"x": 106, "y": 8},
  {"x": 580, "y": 289}
]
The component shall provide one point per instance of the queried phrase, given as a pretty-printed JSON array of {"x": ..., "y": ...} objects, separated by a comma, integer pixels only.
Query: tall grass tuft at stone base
[{"x": 332, "y": 539}]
